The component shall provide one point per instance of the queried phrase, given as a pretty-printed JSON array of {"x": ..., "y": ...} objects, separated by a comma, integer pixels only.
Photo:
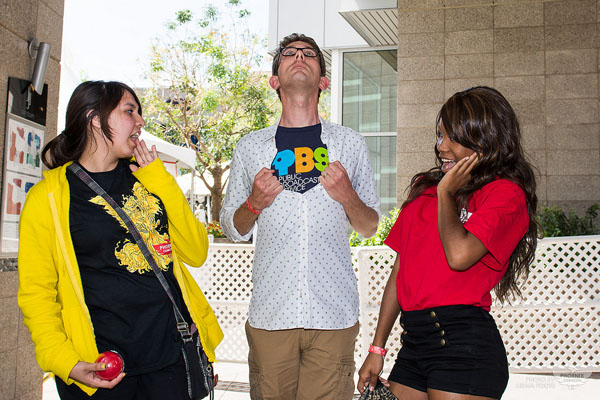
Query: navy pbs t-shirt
[{"x": 301, "y": 157}]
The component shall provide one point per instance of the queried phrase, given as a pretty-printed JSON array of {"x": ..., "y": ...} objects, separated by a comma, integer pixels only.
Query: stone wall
[
  {"x": 542, "y": 55},
  {"x": 21, "y": 20}
]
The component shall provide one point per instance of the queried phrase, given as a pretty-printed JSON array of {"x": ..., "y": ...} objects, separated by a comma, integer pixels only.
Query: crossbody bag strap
[{"x": 182, "y": 326}]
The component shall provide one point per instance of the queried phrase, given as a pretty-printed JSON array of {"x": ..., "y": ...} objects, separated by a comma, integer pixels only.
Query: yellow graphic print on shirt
[{"x": 142, "y": 208}]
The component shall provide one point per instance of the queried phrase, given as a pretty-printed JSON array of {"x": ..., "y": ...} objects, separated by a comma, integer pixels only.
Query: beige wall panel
[
  {"x": 20, "y": 17},
  {"x": 49, "y": 29},
  {"x": 410, "y": 164},
  {"x": 8, "y": 375},
  {"x": 469, "y": 66},
  {"x": 469, "y": 42},
  {"x": 573, "y": 162},
  {"x": 515, "y": 15},
  {"x": 529, "y": 112},
  {"x": 519, "y": 63},
  {"x": 518, "y": 39},
  {"x": 463, "y": 3},
  {"x": 533, "y": 137},
  {"x": 417, "y": 115},
  {"x": 565, "y": 137},
  {"x": 572, "y": 111},
  {"x": 416, "y": 92},
  {"x": 9, "y": 318},
  {"x": 419, "y": 68},
  {"x": 572, "y": 86},
  {"x": 573, "y": 188},
  {"x": 18, "y": 67},
  {"x": 421, "y": 44},
  {"x": 517, "y": 1},
  {"x": 521, "y": 87},
  {"x": 574, "y": 61},
  {"x": 458, "y": 85},
  {"x": 58, "y": 6},
  {"x": 469, "y": 18},
  {"x": 52, "y": 75},
  {"x": 420, "y": 21},
  {"x": 416, "y": 139},
  {"x": 419, "y": 4},
  {"x": 541, "y": 189},
  {"x": 571, "y": 37},
  {"x": 402, "y": 183},
  {"x": 539, "y": 159},
  {"x": 570, "y": 12}
]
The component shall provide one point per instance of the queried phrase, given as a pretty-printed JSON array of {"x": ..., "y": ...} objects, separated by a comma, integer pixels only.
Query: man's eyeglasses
[{"x": 291, "y": 51}]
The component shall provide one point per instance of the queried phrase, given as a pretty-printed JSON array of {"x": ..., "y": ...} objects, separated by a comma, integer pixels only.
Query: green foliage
[
  {"x": 555, "y": 222},
  {"x": 207, "y": 88},
  {"x": 384, "y": 227},
  {"x": 214, "y": 228}
]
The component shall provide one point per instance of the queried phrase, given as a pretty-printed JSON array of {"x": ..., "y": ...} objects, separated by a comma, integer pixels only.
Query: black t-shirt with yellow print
[{"x": 130, "y": 311}]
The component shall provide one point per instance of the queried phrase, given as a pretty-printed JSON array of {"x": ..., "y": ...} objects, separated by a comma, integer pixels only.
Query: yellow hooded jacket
[{"x": 50, "y": 290}]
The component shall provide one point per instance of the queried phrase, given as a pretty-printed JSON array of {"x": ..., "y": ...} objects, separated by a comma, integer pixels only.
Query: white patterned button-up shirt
[{"x": 302, "y": 274}]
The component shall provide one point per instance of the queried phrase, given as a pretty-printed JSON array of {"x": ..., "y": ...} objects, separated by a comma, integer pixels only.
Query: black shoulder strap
[{"x": 182, "y": 326}]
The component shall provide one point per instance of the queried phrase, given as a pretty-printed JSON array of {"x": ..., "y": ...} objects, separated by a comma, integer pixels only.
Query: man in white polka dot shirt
[{"x": 301, "y": 181}]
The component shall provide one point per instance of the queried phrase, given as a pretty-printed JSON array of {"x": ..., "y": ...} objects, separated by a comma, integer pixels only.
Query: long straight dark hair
[
  {"x": 89, "y": 99},
  {"x": 482, "y": 120}
]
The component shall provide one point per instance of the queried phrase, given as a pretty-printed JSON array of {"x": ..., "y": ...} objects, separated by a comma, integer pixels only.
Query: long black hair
[
  {"x": 481, "y": 119},
  {"x": 89, "y": 99}
]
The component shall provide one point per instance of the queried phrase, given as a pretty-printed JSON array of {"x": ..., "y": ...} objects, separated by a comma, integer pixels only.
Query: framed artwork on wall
[{"x": 23, "y": 145}]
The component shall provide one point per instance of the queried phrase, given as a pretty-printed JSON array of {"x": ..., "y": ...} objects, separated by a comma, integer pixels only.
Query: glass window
[{"x": 369, "y": 87}]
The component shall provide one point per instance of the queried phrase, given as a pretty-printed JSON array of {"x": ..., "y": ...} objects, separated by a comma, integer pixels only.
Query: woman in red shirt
[{"x": 467, "y": 227}]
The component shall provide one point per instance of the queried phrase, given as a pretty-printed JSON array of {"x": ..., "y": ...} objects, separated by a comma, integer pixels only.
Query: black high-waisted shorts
[{"x": 454, "y": 349}]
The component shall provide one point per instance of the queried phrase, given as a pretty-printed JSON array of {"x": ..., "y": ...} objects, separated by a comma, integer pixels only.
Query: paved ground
[{"x": 234, "y": 385}]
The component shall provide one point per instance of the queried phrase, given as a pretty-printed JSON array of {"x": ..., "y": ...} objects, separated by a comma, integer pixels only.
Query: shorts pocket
[
  {"x": 345, "y": 379},
  {"x": 255, "y": 380}
]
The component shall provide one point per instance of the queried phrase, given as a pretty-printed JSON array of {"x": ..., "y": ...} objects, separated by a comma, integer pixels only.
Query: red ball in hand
[{"x": 114, "y": 365}]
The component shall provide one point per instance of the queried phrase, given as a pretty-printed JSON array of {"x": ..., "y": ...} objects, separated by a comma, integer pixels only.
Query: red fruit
[{"x": 114, "y": 365}]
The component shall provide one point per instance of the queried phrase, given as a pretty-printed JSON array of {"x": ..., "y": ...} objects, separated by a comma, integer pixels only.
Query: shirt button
[
  {"x": 443, "y": 342},
  {"x": 432, "y": 314},
  {"x": 442, "y": 333},
  {"x": 437, "y": 324}
]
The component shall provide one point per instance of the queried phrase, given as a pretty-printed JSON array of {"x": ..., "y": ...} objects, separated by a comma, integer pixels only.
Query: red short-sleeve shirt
[{"x": 497, "y": 215}]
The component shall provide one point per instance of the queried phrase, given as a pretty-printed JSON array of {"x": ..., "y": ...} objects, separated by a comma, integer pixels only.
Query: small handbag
[
  {"x": 381, "y": 392},
  {"x": 199, "y": 370}
]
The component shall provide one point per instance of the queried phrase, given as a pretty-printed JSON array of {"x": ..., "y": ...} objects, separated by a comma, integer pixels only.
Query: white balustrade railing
[{"x": 555, "y": 327}]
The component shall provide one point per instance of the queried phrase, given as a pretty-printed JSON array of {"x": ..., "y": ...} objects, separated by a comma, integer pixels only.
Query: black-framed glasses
[{"x": 291, "y": 51}]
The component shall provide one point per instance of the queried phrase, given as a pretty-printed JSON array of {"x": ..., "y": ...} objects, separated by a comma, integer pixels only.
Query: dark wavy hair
[
  {"x": 481, "y": 119},
  {"x": 89, "y": 99},
  {"x": 297, "y": 37}
]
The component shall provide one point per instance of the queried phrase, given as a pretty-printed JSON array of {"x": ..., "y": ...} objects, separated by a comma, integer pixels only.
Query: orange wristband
[{"x": 251, "y": 209}]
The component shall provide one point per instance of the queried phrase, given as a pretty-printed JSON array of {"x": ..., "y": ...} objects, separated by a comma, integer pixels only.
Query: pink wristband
[
  {"x": 377, "y": 350},
  {"x": 251, "y": 209}
]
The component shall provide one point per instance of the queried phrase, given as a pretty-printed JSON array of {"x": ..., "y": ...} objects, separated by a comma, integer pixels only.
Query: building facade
[{"x": 542, "y": 55}]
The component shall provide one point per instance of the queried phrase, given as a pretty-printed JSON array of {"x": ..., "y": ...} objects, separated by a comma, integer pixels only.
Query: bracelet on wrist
[
  {"x": 251, "y": 208},
  {"x": 377, "y": 350}
]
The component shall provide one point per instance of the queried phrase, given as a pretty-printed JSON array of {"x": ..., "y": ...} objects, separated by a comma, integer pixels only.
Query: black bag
[
  {"x": 379, "y": 393},
  {"x": 199, "y": 371}
]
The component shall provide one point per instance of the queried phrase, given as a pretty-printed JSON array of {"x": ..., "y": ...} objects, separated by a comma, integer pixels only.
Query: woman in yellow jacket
[{"x": 84, "y": 286}]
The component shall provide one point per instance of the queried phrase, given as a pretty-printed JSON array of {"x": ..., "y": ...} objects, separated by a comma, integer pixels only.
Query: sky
[{"x": 110, "y": 39}]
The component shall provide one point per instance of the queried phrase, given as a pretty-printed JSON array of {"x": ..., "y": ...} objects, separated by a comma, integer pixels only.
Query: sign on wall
[{"x": 23, "y": 144}]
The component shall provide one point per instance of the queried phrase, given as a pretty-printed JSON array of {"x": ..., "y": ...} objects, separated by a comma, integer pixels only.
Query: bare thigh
[
  {"x": 440, "y": 395},
  {"x": 403, "y": 392}
]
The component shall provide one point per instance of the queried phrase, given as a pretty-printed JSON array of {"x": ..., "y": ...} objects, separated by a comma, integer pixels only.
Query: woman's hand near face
[
  {"x": 143, "y": 156},
  {"x": 84, "y": 372},
  {"x": 459, "y": 176}
]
